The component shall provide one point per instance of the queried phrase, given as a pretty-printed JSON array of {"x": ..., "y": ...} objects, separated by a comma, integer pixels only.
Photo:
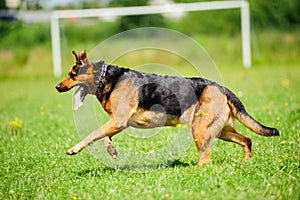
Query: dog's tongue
[{"x": 78, "y": 98}]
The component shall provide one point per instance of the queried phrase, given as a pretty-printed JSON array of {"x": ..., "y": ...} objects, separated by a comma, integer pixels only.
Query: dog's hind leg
[
  {"x": 204, "y": 128},
  {"x": 202, "y": 141},
  {"x": 109, "y": 147},
  {"x": 108, "y": 130},
  {"x": 229, "y": 134},
  {"x": 208, "y": 120}
]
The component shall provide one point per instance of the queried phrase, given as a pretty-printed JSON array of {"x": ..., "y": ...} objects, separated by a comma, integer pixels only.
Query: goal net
[{"x": 145, "y": 10}]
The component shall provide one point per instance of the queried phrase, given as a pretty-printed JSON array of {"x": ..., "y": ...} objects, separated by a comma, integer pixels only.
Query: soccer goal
[{"x": 145, "y": 10}]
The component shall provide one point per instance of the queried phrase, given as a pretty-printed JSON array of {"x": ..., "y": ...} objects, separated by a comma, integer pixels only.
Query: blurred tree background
[
  {"x": 270, "y": 14},
  {"x": 267, "y": 14},
  {"x": 18, "y": 37}
]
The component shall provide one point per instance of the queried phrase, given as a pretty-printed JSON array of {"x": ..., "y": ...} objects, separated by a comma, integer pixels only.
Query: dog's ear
[
  {"x": 82, "y": 56},
  {"x": 75, "y": 67},
  {"x": 76, "y": 57}
]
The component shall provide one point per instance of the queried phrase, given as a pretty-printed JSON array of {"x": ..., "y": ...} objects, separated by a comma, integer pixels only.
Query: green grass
[{"x": 34, "y": 164}]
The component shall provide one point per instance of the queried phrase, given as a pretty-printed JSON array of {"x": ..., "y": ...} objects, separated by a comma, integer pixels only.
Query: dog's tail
[{"x": 240, "y": 113}]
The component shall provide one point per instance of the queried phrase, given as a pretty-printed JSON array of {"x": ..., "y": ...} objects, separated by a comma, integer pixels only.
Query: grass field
[{"x": 37, "y": 127}]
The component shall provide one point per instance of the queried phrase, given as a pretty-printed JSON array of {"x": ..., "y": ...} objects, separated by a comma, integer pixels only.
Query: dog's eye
[
  {"x": 75, "y": 68},
  {"x": 72, "y": 75}
]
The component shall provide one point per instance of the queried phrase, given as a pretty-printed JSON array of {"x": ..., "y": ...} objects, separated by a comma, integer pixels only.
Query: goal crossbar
[{"x": 145, "y": 10}]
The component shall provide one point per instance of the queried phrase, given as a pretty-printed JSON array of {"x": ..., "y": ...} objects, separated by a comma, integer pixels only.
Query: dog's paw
[
  {"x": 112, "y": 151},
  {"x": 203, "y": 162},
  {"x": 74, "y": 150}
]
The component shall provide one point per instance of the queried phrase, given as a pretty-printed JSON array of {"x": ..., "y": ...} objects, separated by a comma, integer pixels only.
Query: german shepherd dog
[{"x": 144, "y": 100}]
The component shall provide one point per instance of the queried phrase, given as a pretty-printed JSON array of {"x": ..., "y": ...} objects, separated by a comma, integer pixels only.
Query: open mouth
[{"x": 79, "y": 96}]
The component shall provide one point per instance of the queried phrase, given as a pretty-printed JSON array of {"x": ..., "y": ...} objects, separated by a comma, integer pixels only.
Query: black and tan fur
[{"x": 143, "y": 100}]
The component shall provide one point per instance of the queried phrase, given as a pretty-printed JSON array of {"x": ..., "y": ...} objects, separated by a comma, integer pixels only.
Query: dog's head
[{"x": 82, "y": 74}]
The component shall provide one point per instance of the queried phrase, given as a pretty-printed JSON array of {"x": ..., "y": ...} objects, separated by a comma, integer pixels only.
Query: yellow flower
[
  {"x": 74, "y": 198},
  {"x": 16, "y": 124},
  {"x": 285, "y": 83},
  {"x": 278, "y": 123},
  {"x": 42, "y": 110}
]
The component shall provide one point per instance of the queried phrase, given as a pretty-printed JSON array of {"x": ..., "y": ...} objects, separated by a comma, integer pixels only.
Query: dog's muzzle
[{"x": 61, "y": 89}]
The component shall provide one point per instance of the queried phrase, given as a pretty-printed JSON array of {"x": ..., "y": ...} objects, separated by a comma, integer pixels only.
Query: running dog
[{"x": 144, "y": 100}]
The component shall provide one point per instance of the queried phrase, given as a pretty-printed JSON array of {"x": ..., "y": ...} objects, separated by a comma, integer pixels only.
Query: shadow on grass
[
  {"x": 95, "y": 171},
  {"x": 101, "y": 170},
  {"x": 178, "y": 163}
]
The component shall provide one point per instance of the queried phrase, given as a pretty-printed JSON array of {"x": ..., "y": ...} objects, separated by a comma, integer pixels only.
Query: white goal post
[{"x": 144, "y": 10}]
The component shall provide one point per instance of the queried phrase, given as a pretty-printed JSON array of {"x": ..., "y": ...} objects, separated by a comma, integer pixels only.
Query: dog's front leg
[{"x": 107, "y": 130}]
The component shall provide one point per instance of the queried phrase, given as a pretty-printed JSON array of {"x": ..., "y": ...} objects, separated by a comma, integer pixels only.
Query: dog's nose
[
  {"x": 58, "y": 87},
  {"x": 62, "y": 88}
]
